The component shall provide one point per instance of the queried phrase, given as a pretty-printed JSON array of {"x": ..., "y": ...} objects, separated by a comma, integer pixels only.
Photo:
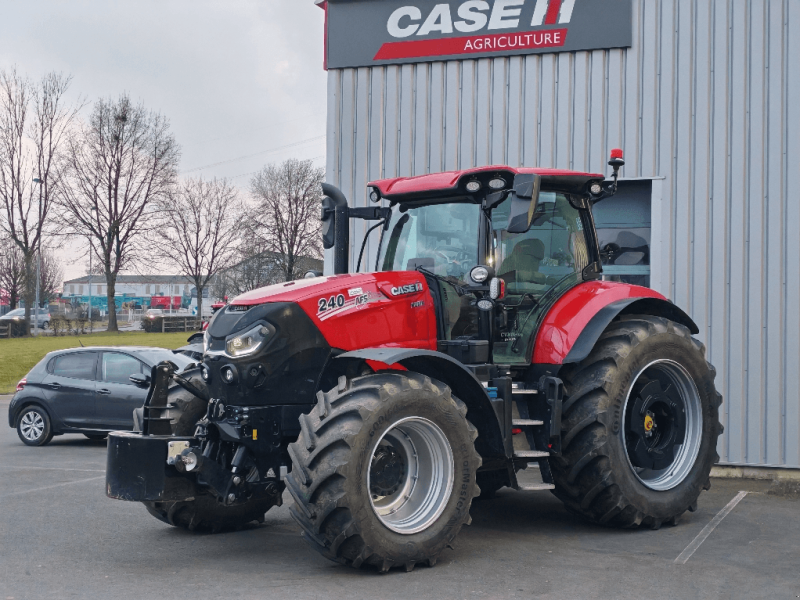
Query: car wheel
[
  {"x": 45, "y": 325},
  {"x": 33, "y": 427}
]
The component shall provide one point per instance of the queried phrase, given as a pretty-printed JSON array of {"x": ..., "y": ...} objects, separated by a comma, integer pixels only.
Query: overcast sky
[{"x": 240, "y": 80}]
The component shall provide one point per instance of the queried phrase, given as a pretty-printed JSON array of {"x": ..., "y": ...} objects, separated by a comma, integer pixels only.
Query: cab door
[{"x": 117, "y": 397}]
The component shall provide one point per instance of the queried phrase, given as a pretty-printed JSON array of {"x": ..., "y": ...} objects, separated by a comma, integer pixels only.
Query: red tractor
[{"x": 387, "y": 401}]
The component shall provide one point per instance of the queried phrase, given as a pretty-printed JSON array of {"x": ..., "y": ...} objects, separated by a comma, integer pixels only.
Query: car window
[
  {"x": 117, "y": 368},
  {"x": 77, "y": 366}
]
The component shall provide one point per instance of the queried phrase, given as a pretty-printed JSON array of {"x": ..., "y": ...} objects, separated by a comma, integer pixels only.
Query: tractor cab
[{"x": 497, "y": 247}]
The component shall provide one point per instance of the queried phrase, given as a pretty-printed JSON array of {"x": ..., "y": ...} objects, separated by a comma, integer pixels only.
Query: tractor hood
[
  {"x": 294, "y": 291},
  {"x": 270, "y": 346},
  {"x": 353, "y": 311}
]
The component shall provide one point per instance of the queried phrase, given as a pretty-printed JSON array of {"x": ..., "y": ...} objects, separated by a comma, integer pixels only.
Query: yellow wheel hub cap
[{"x": 648, "y": 423}]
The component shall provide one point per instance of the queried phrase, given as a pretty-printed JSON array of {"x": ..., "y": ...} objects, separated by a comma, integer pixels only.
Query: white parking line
[
  {"x": 54, "y": 469},
  {"x": 703, "y": 535},
  {"x": 50, "y": 487}
]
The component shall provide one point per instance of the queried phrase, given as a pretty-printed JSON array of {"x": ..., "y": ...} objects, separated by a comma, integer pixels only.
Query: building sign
[{"x": 375, "y": 32}]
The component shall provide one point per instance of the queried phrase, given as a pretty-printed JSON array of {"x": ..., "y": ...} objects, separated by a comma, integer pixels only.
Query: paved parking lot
[{"x": 60, "y": 537}]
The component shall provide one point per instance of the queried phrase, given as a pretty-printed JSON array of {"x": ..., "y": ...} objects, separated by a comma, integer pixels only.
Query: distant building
[{"x": 130, "y": 285}]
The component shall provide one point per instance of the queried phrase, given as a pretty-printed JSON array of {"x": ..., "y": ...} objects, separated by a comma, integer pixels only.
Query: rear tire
[
  {"x": 383, "y": 472},
  {"x": 204, "y": 514},
  {"x": 603, "y": 473}
]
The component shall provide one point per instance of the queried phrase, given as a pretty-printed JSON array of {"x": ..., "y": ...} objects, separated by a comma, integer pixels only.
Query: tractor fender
[
  {"x": 632, "y": 306},
  {"x": 574, "y": 324},
  {"x": 452, "y": 373}
]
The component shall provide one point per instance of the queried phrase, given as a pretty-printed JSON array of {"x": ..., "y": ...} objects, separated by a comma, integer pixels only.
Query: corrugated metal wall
[{"x": 707, "y": 98}]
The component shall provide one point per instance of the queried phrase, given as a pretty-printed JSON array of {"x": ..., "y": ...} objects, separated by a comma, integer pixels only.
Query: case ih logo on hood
[
  {"x": 403, "y": 31},
  {"x": 411, "y": 288}
]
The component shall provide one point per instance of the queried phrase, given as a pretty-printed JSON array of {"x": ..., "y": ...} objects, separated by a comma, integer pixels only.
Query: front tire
[
  {"x": 383, "y": 472},
  {"x": 639, "y": 427},
  {"x": 34, "y": 427}
]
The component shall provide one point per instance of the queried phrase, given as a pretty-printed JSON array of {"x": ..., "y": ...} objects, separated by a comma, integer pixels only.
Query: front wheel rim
[
  {"x": 680, "y": 407},
  {"x": 32, "y": 426},
  {"x": 412, "y": 464}
]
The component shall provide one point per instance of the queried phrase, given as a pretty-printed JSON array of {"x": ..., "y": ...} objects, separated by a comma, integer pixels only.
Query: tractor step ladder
[
  {"x": 535, "y": 487},
  {"x": 532, "y": 454},
  {"x": 526, "y": 423},
  {"x": 521, "y": 398}
]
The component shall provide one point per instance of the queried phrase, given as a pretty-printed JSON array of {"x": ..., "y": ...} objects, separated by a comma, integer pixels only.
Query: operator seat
[{"x": 524, "y": 262}]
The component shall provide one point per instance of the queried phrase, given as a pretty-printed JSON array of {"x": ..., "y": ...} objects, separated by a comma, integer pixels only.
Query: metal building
[{"x": 703, "y": 96}]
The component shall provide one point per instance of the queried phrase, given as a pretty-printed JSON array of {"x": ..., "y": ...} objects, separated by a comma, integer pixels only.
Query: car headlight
[{"x": 248, "y": 342}]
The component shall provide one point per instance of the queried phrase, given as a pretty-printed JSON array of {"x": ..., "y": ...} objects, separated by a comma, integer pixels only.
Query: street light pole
[
  {"x": 38, "y": 262},
  {"x": 91, "y": 323}
]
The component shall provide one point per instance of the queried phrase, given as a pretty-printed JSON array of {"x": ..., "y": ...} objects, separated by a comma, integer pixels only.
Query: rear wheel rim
[
  {"x": 412, "y": 464},
  {"x": 688, "y": 412},
  {"x": 32, "y": 426}
]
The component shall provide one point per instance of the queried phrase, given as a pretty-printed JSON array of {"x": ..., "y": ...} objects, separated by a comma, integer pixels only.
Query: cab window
[
  {"x": 441, "y": 238},
  {"x": 554, "y": 247}
]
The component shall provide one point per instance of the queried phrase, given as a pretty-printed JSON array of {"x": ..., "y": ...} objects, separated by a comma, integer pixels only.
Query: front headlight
[{"x": 248, "y": 342}]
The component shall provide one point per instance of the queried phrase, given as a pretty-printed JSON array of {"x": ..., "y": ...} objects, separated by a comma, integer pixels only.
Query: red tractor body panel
[
  {"x": 449, "y": 181},
  {"x": 368, "y": 310},
  {"x": 572, "y": 312}
]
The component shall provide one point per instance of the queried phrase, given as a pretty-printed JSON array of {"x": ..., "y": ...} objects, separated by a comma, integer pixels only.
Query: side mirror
[
  {"x": 140, "y": 380},
  {"x": 336, "y": 226},
  {"x": 328, "y": 219},
  {"x": 524, "y": 199}
]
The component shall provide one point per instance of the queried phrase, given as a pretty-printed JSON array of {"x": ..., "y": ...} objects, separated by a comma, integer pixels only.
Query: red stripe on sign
[
  {"x": 552, "y": 12},
  {"x": 502, "y": 42}
]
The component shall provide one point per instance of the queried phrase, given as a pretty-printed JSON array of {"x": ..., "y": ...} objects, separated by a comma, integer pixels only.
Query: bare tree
[
  {"x": 12, "y": 271},
  {"x": 35, "y": 121},
  {"x": 51, "y": 277},
  {"x": 288, "y": 197},
  {"x": 200, "y": 230},
  {"x": 120, "y": 164},
  {"x": 255, "y": 267}
]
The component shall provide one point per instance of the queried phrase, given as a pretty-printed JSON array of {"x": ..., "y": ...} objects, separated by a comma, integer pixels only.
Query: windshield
[
  {"x": 19, "y": 312},
  {"x": 442, "y": 238}
]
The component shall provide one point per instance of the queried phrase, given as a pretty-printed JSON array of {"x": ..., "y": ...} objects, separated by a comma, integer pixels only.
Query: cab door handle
[
  {"x": 104, "y": 392},
  {"x": 55, "y": 386}
]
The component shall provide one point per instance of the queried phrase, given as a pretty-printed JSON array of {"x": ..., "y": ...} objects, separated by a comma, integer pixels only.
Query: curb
[{"x": 765, "y": 473}]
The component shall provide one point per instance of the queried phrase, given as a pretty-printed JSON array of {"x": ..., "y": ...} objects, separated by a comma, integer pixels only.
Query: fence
[{"x": 171, "y": 324}]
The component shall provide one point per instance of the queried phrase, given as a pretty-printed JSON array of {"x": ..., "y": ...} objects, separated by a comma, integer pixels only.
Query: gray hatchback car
[{"x": 84, "y": 390}]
